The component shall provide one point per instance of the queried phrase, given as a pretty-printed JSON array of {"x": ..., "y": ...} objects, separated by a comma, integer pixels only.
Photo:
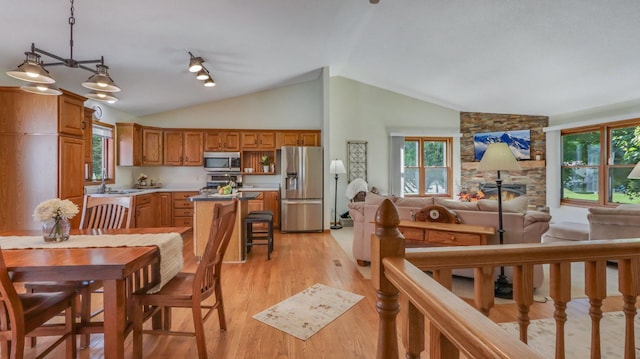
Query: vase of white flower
[{"x": 55, "y": 214}]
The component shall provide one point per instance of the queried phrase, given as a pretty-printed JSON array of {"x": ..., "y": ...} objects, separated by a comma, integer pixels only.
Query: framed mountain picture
[{"x": 519, "y": 143}]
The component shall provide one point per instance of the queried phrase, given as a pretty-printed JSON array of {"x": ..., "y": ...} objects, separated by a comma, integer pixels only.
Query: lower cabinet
[
  {"x": 165, "y": 206},
  {"x": 146, "y": 211},
  {"x": 183, "y": 209},
  {"x": 267, "y": 200}
]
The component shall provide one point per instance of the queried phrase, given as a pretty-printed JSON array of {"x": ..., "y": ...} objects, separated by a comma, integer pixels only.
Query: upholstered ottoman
[{"x": 566, "y": 231}]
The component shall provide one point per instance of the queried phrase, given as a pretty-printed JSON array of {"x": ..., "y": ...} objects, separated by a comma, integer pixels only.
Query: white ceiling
[{"x": 541, "y": 57}]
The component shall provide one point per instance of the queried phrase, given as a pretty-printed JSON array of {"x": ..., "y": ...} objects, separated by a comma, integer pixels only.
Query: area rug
[
  {"x": 305, "y": 313},
  {"x": 578, "y": 335}
]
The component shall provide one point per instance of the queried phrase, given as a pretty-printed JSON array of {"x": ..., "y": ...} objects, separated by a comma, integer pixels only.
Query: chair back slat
[
  {"x": 224, "y": 218},
  {"x": 109, "y": 212},
  {"x": 12, "y": 313}
]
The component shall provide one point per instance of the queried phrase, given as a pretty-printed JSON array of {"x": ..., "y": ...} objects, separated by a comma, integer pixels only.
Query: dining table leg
[{"x": 115, "y": 318}]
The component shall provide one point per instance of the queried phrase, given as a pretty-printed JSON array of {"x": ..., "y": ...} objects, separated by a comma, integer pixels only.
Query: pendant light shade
[
  {"x": 101, "y": 81},
  {"x": 41, "y": 89},
  {"x": 31, "y": 70},
  {"x": 102, "y": 96}
]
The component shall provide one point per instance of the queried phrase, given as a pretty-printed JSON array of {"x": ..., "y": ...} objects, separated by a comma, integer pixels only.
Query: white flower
[
  {"x": 142, "y": 177},
  {"x": 55, "y": 209}
]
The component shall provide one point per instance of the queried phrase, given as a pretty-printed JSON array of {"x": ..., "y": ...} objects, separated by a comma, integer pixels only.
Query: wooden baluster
[
  {"x": 560, "y": 290},
  {"x": 523, "y": 296},
  {"x": 595, "y": 287},
  {"x": 414, "y": 336},
  {"x": 439, "y": 345},
  {"x": 483, "y": 288},
  {"x": 629, "y": 286},
  {"x": 387, "y": 242}
]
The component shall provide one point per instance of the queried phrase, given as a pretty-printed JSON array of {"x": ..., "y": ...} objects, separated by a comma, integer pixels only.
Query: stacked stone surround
[{"x": 533, "y": 173}]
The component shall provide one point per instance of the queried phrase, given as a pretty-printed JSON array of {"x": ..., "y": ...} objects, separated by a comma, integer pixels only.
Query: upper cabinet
[
  {"x": 71, "y": 114},
  {"x": 87, "y": 126},
  {"x": 151, "y": 146},
  {"x": 298, "y": 138},
  {"x": 221, "y": 140},
  {"x": 182, "y": 148},
  {"x": 129, "y": 144},
  {"x": 258, "y": 140}
]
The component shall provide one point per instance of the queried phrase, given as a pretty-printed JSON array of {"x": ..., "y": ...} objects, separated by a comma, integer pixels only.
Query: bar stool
[{"x": 264, "y": 237}]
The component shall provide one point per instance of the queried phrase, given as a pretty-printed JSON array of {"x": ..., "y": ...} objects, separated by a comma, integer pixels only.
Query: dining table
[{"x": 123, "y": 270}]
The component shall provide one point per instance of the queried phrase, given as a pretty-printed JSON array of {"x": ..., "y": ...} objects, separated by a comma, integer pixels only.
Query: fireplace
[{"x": 509, "y": 191}]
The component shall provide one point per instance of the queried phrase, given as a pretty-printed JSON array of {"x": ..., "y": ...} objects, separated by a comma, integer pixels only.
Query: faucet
[{"x": 103, "y": 185}]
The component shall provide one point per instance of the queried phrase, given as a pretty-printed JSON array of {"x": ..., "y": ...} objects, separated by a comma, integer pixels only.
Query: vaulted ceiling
[{"x": 540, "y": 57}]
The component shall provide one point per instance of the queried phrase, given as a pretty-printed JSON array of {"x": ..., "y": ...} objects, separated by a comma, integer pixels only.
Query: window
[
  {"x": 596, "y": 161},
  {"x": 427, "y": 166},
  {"x": 102, "y": 154}
]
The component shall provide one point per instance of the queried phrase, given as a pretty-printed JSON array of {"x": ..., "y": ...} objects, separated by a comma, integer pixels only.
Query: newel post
[{"x": 387, "y": 242}]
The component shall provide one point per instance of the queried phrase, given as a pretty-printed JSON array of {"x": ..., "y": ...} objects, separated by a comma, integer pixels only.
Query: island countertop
[{"x": 241, "y": 196}]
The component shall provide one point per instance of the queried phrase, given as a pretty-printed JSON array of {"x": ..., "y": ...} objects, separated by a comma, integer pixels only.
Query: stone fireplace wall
[{"x": 533, "y": 173}]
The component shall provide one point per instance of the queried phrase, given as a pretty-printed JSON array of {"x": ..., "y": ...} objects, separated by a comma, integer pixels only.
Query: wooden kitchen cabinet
[
  {"x": 43, "y": 141},
  {"x": 183, "y": 148},
  {"x": 221, "y": 140},
  {"x": 165, "y": 206},
  {"x": 151, "y": 146},
  {"x": 298, "y": 138},
  {"x": 129, "y": 144},
  {"x": 146, "y": 210},
  {"x": 183, "y": 209},
  {"x": 87, "y": 134},
  {"x": 256, "y": 204},
  {"x": 71, "y": 119},
  {"x": 257, "y": 140},
  {"x": 272, "y": 203}
]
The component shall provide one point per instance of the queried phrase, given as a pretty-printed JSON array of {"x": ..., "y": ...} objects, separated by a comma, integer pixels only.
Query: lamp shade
[
  {"x": 101, "y": 81},
  {"x": 498, "y": 157},
  {"x": 42, "y": 89},
  {"x": 337, "y": 167},
  {"x": 635, "y": 172}
]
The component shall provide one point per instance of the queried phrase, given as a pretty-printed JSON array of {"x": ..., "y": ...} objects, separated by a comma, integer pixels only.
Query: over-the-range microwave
[{"x": 222, "y": 161}]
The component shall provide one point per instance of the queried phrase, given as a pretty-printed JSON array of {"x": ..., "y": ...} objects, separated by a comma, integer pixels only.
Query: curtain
[{"x": 396, "y": 168}]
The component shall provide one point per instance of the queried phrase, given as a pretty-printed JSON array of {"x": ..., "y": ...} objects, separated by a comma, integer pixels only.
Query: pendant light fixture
[
  {"x": 41, "y": 82},
  {"x": 195, "y": 65}
]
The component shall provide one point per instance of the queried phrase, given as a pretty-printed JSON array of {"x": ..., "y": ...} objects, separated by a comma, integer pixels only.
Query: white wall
[{"x": 362, "y": 112}]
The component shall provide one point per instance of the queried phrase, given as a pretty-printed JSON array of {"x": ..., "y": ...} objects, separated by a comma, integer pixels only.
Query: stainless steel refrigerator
[{"x": 301, "y": 202}]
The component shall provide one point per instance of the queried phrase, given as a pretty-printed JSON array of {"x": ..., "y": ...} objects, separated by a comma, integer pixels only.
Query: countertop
[{"x": 242, "y": 196}]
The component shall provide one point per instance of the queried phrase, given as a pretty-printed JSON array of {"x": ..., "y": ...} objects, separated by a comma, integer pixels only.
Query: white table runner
[{"x": 169, "y": 244}]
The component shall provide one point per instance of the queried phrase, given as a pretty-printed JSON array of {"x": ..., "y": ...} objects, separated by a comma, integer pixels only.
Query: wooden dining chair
[
  {"x": 189, "y": 290},
  {"x": 24, "y": 315},
  {"x": 98, "y": 212}
]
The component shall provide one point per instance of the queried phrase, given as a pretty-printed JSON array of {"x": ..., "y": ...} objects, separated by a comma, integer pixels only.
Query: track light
[
  {"x": 33, "y": 70},
  {"x": 209, "y": 82},
  {"x": 202, "y": 75},
  {"x": 195, "y": 65}
]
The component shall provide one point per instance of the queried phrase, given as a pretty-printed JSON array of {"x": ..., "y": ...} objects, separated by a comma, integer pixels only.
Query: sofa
[
  {"x": 520, "y": 224},
  {"x": 614, "y": 223}
]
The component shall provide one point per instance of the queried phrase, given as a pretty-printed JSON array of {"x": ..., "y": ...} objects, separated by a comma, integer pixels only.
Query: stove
[{"x": 220, "y": 179}]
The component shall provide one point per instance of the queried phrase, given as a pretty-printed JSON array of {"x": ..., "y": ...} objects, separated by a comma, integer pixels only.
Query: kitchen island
[{"x": 204, "y": 204}]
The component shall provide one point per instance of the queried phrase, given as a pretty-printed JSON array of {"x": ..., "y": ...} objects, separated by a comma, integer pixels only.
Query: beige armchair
[{"x": 614, "y": 223}]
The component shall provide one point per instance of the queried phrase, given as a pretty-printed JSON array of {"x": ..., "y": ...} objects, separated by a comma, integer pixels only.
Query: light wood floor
[{"x": 298, "y": 262}]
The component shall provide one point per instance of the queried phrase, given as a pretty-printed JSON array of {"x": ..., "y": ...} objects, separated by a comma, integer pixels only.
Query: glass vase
[{"x": 56, "y": 230}]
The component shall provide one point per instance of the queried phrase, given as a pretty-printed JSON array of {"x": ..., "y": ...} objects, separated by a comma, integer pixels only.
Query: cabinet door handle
[{"x": 84, "y": 125}]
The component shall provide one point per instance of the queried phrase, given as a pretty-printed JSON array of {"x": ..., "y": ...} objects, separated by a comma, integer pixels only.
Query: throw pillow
[
  {"x": 516, "y": 205},
  {"x": 456, "y": 205}
]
